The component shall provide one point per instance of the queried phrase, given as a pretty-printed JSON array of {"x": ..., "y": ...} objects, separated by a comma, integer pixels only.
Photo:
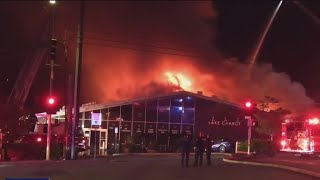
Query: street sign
[{"x": 96, "y": 119}]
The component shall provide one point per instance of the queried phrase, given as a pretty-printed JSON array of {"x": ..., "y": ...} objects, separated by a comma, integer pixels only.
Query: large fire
[{"x": 179, "y": 80}]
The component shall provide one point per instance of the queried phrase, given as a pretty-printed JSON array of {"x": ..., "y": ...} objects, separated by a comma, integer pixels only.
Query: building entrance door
[
  {"x": 98, "y": 142},
  {"x": 94, "y": 141}
]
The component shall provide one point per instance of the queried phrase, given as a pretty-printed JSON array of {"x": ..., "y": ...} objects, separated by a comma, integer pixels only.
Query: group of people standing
[{"x": 201, "y": 146}]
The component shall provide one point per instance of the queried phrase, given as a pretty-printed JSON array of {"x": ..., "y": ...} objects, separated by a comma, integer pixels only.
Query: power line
[
  {"x": 144, "y": 50},
  {"x": 138, "y": 35},
  {"x": 139, "y": 44}
]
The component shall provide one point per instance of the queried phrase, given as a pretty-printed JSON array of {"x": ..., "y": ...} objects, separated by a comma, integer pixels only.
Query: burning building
[{"x": 158, "y": 121}]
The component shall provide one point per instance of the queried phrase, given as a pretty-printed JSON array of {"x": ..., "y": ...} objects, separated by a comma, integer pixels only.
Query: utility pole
[
  {"x": 77, "y": 81},
  {"x": 66, "y": 102},
  {"x": 52, "y": 58}
]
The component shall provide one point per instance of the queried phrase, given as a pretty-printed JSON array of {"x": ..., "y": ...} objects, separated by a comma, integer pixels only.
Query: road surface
[{"x": 142, "y": 167}]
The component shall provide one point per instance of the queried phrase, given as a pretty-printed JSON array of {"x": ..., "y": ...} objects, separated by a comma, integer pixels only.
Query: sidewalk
[{"x": 306, "y": 165}]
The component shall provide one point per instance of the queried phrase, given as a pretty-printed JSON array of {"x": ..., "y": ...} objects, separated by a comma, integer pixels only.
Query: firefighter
[
  {"x": 199, "y": 150},
  {"x": 185, "y": 149},
  {"x": 208, "y": 146}
]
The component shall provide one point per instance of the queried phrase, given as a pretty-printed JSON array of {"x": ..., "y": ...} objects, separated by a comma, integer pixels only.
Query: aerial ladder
[{"x": 30, "y": 68}]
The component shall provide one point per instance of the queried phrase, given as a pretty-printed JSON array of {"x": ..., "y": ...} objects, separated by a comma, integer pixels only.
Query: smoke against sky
[{"x": 118, "y": 64}]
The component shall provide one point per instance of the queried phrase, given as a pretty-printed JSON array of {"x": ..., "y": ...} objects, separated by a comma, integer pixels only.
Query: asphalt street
[{"x": 142, "y": 168}]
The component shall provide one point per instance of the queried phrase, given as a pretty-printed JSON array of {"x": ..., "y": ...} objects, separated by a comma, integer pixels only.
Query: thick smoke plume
[{"x": 128, "y": 67}]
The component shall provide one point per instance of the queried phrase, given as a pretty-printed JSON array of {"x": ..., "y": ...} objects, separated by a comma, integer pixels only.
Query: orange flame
[{"x": 179, "y": 80}]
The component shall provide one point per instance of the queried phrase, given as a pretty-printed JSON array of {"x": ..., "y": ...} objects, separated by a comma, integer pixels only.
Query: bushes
[{"x": 259, "y": 147}]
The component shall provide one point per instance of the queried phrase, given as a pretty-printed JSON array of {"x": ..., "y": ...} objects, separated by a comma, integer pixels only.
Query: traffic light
[
  {"x": 51, "y": 105},
  {"x": 248, "y": 107},
  {"x": 53, "y": 49},
  {"x": 39, "y": 139},
  {"x": 248, "y": 104}
]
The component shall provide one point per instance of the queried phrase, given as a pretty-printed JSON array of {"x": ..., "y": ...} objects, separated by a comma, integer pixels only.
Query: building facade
[{"x": 159, "y": 121}]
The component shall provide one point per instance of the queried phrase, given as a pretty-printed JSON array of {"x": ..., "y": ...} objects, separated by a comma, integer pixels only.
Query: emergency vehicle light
[
  {"x": 39, "y": 139},
  {"x": 314, "y": 121}
]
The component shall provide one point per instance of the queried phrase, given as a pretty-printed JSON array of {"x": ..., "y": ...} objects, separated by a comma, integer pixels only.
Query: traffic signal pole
[
  {"x": 249, "y": 134},
  {"x": 249, "y": 124},
  {"x": 77, "y": 81},
  {"x": 248, "y": 117},
  {"x": 52, "y": 58}
]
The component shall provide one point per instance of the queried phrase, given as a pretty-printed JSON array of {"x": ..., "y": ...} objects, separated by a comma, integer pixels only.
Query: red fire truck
[{"x": 301, "y": 136}]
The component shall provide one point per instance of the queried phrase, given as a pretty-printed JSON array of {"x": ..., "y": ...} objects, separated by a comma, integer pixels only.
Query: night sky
[{"x": 291, "y": 46}]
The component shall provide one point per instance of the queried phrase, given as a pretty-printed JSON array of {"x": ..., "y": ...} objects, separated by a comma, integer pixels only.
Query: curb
[
  {"x": 164, "y": 154},
  {"x": 302, "y": 171}
]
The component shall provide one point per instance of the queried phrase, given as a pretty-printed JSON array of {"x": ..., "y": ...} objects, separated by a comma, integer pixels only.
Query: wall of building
[{"x": 220, "y": 120}]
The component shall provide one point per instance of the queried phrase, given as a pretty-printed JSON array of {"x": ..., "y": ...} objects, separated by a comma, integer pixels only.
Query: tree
[{"x": 269, "y": 119}]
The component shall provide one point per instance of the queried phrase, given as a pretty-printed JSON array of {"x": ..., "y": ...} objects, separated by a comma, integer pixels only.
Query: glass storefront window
[
  {"x": 188, "y": 102},
  {"x": 105, "y": 114},
  {"x": 163, "y": 110},
  {"x": 152, "y": 111},
  {"x": 87, "y": 115},
  {"x": 126, "y": 127},
  {"x": 87, "y": 124},
  {"x": 126, "y": 112},
  {"x": 175, "y": 114},
  {"x": 139, "y": 111},
  {"x": 114, "y": 113},
  {"x": 104, "y": 124},
  {"x": 176, "y": 109},
  {"x": 188, "y": 115}
]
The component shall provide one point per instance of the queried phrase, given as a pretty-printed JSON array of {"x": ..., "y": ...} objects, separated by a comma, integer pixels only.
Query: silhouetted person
[
  {"x": 208, "y": 146},
  {"x": 185, "y": 150},
  {"x": 199, "y": 150}
]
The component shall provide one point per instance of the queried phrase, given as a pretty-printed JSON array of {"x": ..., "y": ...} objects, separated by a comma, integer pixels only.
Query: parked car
[{"x": 223, "y": 145}]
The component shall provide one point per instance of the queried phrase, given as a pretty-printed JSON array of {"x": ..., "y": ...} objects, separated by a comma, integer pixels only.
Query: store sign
[
  {"x": 125, "y": 128},
  {"x": 163, "y": 129},
  {"x": 138, "y": 128},
  {"x": 151, "y": 128},
  {"x": 188, "y": 129},
  {"x": 174, "y": 129},
  {"x": 96, "y": 119},
  {"x": 225, "y": 122}
]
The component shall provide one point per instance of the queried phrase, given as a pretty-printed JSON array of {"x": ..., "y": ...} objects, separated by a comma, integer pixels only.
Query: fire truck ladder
[
  {"x": 29, "y": 70},
  {"x": 26, "y": 76}
]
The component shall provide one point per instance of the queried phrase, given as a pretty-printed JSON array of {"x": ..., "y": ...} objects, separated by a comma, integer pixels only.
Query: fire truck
[
  {"x": 30, "y": 139},
  {"x": 301, "y": 136}
]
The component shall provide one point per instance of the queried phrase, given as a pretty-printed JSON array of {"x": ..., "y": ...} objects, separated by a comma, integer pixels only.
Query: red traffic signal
[
  {"x": 248, "y": 104},
  {"x": 248, "y": 108},
  {"x": 51, "y": 101},
  {"x": 39, "y": 139},
  {"x": 52, "y": 105}
]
